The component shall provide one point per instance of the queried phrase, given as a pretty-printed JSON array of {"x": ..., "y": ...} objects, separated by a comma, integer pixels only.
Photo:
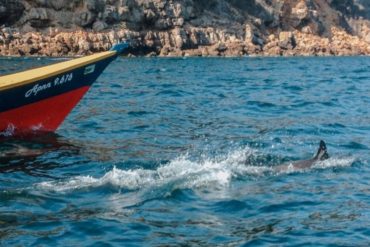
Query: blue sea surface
[{"x": 183, "y": 151}]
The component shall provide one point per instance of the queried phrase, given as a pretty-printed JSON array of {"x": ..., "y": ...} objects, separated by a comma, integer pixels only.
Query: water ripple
[{"x": 170, "y": 152}]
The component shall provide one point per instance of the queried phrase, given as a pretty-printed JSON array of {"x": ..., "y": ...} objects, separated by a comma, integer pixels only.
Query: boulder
[
  {"x": 300, "y": 12},
  {"x": 38, "y": 18},
  {"x": 252, "y": 36},
  {"x": 84, "y": 18},
  {"x": 99, "y": 26},
  {"x": 111, "y": 15},
  {"x": 287, "y": 40},
  {"x": 95, "y": 6},
  {"x": 58, "y": 4}
]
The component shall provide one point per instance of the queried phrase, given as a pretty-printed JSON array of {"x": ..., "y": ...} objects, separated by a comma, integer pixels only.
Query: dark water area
[{"x": 168, "y": 152}]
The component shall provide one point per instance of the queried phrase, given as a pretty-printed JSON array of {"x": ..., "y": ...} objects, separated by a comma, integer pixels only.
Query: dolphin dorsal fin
[{"x": 322, "y": 153}]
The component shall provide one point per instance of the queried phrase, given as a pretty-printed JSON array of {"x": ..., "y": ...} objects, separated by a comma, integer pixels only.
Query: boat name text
[{"x": 45, "y": 86}]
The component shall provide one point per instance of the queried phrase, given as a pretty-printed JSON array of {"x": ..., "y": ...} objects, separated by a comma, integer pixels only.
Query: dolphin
[{"x": 321, "y": 154}]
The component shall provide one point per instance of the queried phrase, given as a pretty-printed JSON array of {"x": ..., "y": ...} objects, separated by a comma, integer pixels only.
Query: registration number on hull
[{"x": 40, "y": 87}]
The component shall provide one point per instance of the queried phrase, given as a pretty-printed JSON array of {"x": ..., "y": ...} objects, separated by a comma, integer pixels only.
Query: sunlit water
[{"x": 182, "y": 152}]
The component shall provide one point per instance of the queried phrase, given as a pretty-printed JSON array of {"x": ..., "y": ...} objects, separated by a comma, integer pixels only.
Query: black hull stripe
[{"x": 63, "y": 82}]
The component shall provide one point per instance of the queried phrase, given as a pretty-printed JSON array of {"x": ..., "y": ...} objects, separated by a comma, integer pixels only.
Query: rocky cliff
[{"x": 186, "y": 27}]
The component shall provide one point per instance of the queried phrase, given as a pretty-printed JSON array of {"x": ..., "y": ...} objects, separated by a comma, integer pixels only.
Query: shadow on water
[{"x": 22, "y": 154}]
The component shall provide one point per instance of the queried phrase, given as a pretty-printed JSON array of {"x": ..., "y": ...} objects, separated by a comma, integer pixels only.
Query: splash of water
[
  {"x": 9, "y": 131},
  {"x": 183, "y": 172}
]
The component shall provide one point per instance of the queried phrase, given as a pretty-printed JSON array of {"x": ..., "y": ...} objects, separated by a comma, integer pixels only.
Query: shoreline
[
  {"x": 185, "y": 57},
  {"x": 180, "y": 43}
]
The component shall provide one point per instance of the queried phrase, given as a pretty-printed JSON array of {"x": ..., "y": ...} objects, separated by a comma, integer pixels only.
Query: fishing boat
[{"x": 38, "y": 100}]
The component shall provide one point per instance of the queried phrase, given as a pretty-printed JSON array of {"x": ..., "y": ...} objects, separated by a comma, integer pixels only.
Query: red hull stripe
[{"x": 44, "y": 115}]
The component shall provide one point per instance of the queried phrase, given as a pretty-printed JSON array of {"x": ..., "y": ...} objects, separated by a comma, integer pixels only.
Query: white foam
[
  {"x": 183, "y": 172},
  {"x": 335, "y": 162},
  {"x": 131, "y": 179},
  {"x": 9, "y": 131}
]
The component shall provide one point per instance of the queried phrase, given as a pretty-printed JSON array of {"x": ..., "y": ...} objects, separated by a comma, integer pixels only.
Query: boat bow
[{"x": 40, "y": 99}]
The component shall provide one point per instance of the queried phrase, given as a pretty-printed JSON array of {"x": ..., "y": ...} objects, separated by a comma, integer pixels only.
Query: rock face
[{"x": 186, "y": 27}]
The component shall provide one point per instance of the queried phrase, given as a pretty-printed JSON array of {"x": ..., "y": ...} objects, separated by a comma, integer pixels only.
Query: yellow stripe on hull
[{"x": 29, "y": 76}]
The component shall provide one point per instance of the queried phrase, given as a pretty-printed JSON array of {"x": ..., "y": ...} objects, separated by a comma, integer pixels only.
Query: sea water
[{"x": 175, "y": 151}]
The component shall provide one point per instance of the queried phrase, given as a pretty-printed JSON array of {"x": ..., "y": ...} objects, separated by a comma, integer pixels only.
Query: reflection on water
[{"x": 22, "y": 153}]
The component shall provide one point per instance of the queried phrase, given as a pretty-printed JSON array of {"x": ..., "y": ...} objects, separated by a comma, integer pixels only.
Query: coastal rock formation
[{"x": 186, "y": 27}]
